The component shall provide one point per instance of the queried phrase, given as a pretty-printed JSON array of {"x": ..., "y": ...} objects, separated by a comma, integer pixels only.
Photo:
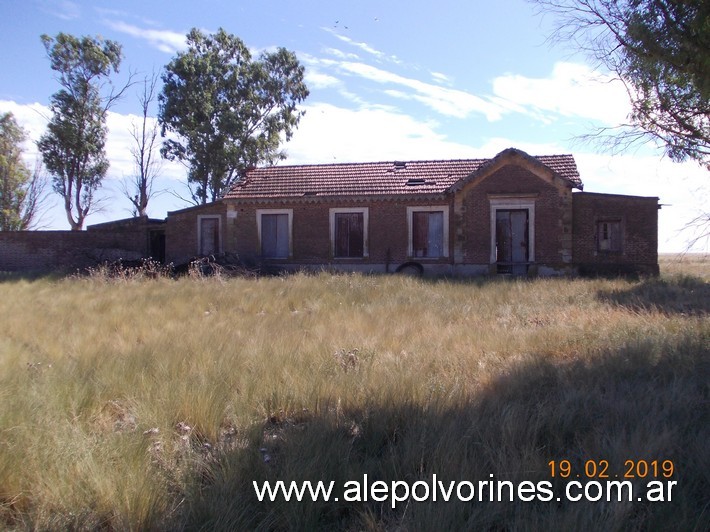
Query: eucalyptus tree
[
  {"x": 225, "y": 111},
  {"x": 21, "y": 190},
  {"x": 73, "y": 147}
]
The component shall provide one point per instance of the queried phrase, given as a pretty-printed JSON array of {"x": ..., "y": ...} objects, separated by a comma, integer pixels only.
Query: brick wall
[
  {"x": 181, "y": 231},
  {"x": 311, "y": 245},
  {"x": 42, "y": 251},
  {"x": 638, "y": 217},
  {"x": 553, "y": 214},
  {"x": 469, "y": 230}
]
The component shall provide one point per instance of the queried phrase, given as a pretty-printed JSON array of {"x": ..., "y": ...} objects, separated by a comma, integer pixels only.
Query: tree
[
  {"x": 660, "y": 49},
  {"x": 73, "y": 146},
  {"x": 21, "y": 191},
  {"x": 228, "y": 111},
  {"x": 139, "y": 188}
]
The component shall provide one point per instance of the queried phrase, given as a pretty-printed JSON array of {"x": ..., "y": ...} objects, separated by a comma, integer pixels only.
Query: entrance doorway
[
  {"x": 512, "y": 256},
  {"x": 157, "y": 245},
  {"x": 208, "y": 238}
]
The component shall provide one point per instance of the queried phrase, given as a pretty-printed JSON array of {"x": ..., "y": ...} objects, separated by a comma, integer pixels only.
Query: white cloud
[
  {"x": 318, "y": 80},
  {"x": 359, "y": 45},
  {"x": 166, "y": 41},
  {"x": 443, "y": 79},
  {"x": 120, "y": 143},
  {"x": 495, "y": 145},
  {"x": 333, "y": 134},
  {"x": 33, "y": 118},
  {"x": 443, "y": 100},
  {"x": 339, "y": 53},
  {"x": 446, "y": 101},
  {"x": 63, "y": 9},
  {"x": 571, "y": 90},
  {"x": 328, "y": 133}
]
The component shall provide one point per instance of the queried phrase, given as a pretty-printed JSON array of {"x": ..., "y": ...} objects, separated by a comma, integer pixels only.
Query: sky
[{"x": 389, "y": 80}]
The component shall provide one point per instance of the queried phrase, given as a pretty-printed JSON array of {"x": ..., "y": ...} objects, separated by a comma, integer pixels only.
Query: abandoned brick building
[{"x": 512, "y": 214}]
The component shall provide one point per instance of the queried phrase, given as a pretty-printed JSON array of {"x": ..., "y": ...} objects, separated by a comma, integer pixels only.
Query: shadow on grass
[
  {"x": 675, "y": 295},
  {"x": 646, "y": 401}
]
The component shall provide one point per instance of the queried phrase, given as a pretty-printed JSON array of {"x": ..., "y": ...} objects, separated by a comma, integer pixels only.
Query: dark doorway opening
[{"x": 156, "y": 245}]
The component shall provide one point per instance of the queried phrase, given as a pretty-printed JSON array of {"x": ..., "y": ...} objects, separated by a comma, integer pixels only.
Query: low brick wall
[{"x": 46, "y": 251}]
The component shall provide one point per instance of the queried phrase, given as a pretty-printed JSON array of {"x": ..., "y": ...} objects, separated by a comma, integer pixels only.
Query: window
[
  {"x": 348, "y": 232},
  {"x": 609, "y": 235},
  {"x": 274, "y": 227},
  {"x": 208, "y": 239},
  {"x": 428, "y": 232}
]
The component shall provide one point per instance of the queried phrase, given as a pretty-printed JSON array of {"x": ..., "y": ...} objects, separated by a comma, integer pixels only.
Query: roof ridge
[
  {"x": 356, "y": 163},
  {"x": 393, "y": 161}
]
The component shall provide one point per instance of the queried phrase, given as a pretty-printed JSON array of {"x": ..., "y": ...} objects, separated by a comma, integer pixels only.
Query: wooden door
[{"x": 512, "y": 241}]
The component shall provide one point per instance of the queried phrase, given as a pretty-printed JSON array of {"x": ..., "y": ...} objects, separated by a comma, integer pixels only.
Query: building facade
[{"x": 513, "y": 214}]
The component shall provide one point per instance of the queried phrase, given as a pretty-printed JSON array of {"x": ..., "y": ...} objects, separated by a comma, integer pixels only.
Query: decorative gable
[{"x": 558, "y": 170}]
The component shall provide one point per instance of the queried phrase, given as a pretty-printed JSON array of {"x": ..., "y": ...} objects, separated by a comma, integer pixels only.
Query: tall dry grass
[{"x": 151, "y": 404}]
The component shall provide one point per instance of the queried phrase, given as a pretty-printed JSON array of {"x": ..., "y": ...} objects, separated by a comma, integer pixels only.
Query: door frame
[
  {"x": 202, "y": 217},
  {"x": 513, "y": 204}
]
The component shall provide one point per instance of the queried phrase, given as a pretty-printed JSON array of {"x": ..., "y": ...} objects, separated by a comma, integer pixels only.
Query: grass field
[{"x": 154, "y": 404}]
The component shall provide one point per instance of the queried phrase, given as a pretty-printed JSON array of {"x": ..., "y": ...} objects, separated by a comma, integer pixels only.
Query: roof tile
[{"x": 375, "y": 179}]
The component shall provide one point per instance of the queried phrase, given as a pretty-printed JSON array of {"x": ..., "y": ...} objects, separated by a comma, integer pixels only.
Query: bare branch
[
  {"x": 36, "y": 199},
  {"x": 148, "y": 165},
  {"x": 658, "y": 48}
]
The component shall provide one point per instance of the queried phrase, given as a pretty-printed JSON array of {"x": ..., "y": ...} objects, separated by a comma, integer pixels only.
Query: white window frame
[
  {"x": 508, "y": 204},
  {"x": 201, "y": 217},
  {"x": 410, "y": 229},
  {"x": 288, "y": 212},
  {"x": 365, "y": 211}
]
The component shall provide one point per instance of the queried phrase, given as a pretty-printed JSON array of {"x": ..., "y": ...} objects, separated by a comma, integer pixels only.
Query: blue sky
[{"x": 388, "y": 79}]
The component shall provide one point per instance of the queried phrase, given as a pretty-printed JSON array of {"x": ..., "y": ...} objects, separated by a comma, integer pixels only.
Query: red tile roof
[{"x": 375, "y": 179}]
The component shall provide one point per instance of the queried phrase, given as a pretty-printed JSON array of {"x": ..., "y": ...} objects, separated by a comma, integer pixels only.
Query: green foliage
[
  {"x": 228, "y": 110},
  {"x": 73, "y": 148},
  {"x": 14, "y": 175},
  {"x": 661, "y": 50},
  {"x": 667, "y": 60}
]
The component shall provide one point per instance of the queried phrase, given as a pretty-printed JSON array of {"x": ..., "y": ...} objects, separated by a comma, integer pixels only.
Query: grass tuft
[{"x": 147, "y": 402}]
